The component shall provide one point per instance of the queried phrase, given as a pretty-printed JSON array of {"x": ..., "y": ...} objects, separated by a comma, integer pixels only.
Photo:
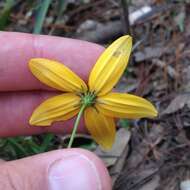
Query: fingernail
[{"x": 74, "y": 172}]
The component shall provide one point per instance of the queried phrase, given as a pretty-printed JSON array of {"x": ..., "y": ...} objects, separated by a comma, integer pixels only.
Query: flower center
[{"x": 88, "y": 98}]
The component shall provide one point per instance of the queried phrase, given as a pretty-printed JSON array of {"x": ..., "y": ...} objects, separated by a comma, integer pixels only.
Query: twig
[{"x": 125, "y": 16}]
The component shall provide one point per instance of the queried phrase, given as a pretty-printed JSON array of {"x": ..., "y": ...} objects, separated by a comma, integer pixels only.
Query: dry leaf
[
  {"x": 122, "y": 139},
  {"x": 178, "y": 103}
]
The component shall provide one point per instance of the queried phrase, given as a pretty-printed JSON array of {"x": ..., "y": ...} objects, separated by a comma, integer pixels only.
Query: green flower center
[{"x": 88, "y": 98}]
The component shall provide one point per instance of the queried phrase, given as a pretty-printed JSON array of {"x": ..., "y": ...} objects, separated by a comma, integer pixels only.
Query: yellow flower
[{"x": 99, "y": 104}]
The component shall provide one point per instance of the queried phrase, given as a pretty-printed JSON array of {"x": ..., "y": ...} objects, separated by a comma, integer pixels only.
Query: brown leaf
[
  {"x": 178, "y": 103},
  {"x": 122, "y": 139}
]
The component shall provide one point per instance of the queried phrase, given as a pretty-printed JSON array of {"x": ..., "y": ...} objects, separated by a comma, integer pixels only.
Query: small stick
[{"x": 125, "y": 16}]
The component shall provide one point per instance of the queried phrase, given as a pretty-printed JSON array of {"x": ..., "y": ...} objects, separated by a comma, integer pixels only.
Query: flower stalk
[
  {"x": 87, "y": 100},
  {"x": 76, "y": 125}
]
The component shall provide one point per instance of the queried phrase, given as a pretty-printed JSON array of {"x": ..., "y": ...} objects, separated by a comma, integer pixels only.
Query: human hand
[{"x": 21, "y": 92}]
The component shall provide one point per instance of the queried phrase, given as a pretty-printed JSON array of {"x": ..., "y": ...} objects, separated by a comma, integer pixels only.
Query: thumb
[{"x": 67, "y": 169}]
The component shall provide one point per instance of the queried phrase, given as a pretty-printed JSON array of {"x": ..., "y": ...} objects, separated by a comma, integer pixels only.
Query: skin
[{"x": 21, "y": 93}]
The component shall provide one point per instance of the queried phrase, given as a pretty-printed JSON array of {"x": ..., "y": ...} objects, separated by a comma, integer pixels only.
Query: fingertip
[
  {"x": 56, "y": 170},
  {"x": 83, "y": 171}
]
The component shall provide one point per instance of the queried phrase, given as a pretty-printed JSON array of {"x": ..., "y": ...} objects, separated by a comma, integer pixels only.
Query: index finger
[{"x": 18, "y": 48}]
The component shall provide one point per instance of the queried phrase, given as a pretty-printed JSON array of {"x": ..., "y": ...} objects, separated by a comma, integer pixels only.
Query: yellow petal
[
  {"x": 125, "y": 106},
  {"x": 110, "y": 66},
  {"x": 58, "y": 108},
  {"x": 56, "y": 75},
  {"x": 101, "y": 128}
]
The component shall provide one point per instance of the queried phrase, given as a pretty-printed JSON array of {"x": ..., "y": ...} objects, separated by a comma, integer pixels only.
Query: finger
[
  {"x": 2, "y": 161},
  {"x": 19, "y": 48},
  {"x": 57, "y": 170},
  {"x": 16, "y": 109}
]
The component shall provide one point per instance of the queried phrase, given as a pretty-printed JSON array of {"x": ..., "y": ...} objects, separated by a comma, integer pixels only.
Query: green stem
[{"x": 76, "y": 125}]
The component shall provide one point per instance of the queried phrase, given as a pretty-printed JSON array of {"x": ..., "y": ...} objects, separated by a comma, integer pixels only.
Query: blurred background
[{"x": 148, "y": 153}]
